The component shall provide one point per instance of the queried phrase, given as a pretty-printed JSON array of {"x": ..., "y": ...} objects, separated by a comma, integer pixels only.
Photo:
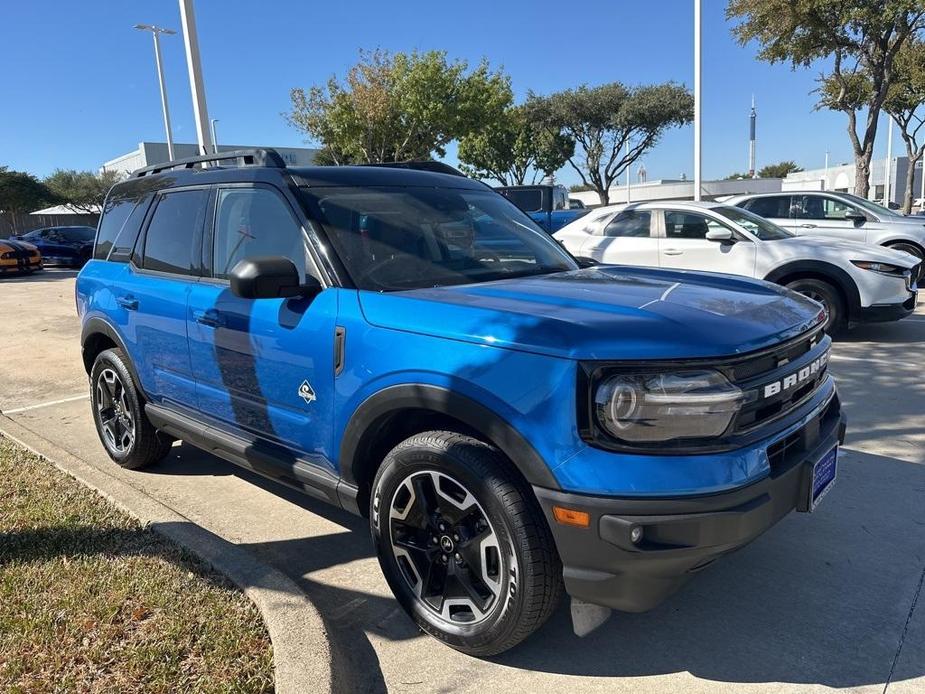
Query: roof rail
[
  {"x": 239, "y": 157},
  {"x": 425, "y": 165}
]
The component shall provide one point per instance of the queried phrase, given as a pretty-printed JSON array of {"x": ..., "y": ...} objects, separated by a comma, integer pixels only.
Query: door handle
[
  {"x": 210, "y": 317},
  {"x": 809, "y": 226},
  {"x": 129, "y": 303},
  {"x": 673, "y": 251}
]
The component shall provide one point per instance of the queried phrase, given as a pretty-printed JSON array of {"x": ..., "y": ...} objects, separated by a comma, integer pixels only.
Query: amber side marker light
[{"x": 568, "y": 516}]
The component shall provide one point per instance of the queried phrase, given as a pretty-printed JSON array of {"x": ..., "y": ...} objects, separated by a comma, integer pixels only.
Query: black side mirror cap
[
  {"x": 856, "y": 217},
  {"x": 584, "y": 262},
  {"x": 270, "y": 277}
]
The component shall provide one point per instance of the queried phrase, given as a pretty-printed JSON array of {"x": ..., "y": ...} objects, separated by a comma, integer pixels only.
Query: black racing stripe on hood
[{"x": 15, "y": 244}]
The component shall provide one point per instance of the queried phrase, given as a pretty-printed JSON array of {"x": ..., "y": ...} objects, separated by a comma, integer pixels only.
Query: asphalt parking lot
[{"x": 821, "y": 601}]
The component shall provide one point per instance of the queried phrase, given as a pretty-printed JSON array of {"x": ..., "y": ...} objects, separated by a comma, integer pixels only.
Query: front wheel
[
  {"x": 463, "y": 543},
  {"x": 825, "y": 294}
]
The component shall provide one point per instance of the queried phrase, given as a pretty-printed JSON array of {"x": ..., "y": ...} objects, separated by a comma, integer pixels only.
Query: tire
[
  {"x": 118, "y": 413},
  {"x": 491, "y": 576},
  {"x": 828, "y": 296}
]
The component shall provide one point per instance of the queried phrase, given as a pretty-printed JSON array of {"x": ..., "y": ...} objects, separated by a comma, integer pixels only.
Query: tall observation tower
[{"x": 752, "y": 117}]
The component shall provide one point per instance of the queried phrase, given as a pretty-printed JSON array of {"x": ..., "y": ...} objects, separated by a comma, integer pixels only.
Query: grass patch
[{"x": 91, "y": 601}]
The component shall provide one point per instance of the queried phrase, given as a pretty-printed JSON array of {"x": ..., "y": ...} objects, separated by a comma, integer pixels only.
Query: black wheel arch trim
[
  {"x": 827, "y": 271},
  {"x": 98, "y": 326},
  {"x": 443, "y": 401}
]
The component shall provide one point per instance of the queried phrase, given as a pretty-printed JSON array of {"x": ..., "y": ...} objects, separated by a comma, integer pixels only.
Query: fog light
[{"x": 636, "y": 534}]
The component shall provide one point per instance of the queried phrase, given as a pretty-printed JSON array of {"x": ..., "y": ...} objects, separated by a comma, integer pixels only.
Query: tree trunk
[
  {"x": 909, "y": 195},
  {"x": 862, "y": 174},
  {"x": 604, "y": 195}
]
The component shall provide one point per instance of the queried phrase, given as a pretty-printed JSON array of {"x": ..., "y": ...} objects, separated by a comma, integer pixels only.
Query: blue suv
[{"x": 513, "y": 425}]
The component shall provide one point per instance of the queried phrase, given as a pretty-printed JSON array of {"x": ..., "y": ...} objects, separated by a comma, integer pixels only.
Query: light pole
[
  {"x": 212, "y": 123},
  {"x": 887, "y": 187},
  {"x": 193, "y": 64},
  {"x": 156, "y": 31},
  {"x": 697, "y": 103}
]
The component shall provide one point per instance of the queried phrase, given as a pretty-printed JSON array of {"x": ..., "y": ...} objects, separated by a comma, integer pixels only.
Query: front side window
[
  {"x": 252, "y": 222},
  {"x": 78, "y": 234},
  {"x": 820, "y": 208},
  {"x": 394, "y": 238},
  {"x": 689, "y": 225},
  {"x": 633, "y": 223},
  {"x": 177, "y": 219}
]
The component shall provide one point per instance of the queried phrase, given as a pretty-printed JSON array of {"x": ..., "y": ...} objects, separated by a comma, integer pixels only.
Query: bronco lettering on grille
[{"x": 797, "y": 377}]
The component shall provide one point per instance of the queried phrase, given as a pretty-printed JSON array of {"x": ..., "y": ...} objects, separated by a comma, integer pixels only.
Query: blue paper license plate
[{"x": 824, "y": 473}]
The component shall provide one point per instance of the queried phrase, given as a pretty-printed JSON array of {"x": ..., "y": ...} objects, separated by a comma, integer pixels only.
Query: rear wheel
[
  {"x": 463, "y": 543},
  {"x": 127, "y": 435},
  {"x": 827, "y": 295}
]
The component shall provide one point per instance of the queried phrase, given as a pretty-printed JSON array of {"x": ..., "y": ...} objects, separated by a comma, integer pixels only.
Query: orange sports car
[{"x": 19, "y": 256}]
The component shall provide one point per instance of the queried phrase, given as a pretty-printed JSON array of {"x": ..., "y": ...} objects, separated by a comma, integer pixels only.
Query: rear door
[
  {"x": 264, "y": 367},
  {"x": 776, "y": 208},
  {"x": 684, "y": 245},
  {"x": 629, "y": 239},
  {"x": 153, "y": 297}
]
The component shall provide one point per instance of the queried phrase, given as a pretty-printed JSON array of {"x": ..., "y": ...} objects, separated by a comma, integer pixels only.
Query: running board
[{"x": 262, "y": 457}]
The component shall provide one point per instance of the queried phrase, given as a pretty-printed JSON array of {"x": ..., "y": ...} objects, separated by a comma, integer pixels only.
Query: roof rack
[
  {"x": 424, "y": 165},
  {"x": 239, "y": 157}
]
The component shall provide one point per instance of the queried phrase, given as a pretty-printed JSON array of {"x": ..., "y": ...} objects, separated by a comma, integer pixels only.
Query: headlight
[
  {"x": 882, "y": 268},
  {"x": 656, "y": 407}
]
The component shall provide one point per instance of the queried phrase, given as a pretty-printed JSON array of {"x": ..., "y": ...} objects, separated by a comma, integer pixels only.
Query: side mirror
[
  {"x": 585, "y": 262},
  {"x": 270, "y": 277},
  {"x": 855, "y": 216},
  {"x": 721, "y": 235}
]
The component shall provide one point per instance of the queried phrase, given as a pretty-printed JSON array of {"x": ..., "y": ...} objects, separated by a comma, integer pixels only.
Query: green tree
[
  {"x": 779, "y": 170},
  {"x": 22, "y": 192},
  {"x": 601, "y": 120},
  {"x": 737, "y": 176},
  {"x": 395, "y": 107},
  {"x": 82, "y": 190},
  {"x": 861, "y": 38},
  {"x": 513, "y": 150},
  {"x": 905, "y": 103}
]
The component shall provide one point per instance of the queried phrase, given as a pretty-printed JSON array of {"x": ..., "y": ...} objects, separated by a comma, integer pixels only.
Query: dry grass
[{"x": 91, "y": 601}]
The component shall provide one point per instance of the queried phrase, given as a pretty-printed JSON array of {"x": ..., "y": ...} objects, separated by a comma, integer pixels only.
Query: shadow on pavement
[
  {"x": 820, "y": 599},
  {"x": 49, "y": 275}
]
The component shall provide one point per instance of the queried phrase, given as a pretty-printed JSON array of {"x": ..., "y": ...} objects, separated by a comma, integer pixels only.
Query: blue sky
[{"x": 78, "y": 85}]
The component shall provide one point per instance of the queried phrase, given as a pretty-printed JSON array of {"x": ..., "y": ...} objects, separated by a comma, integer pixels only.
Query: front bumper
[
  {"x": 20, "y": 264},
  {"x": 885, "y": 312},
  {"x": 681, "y": 535}
]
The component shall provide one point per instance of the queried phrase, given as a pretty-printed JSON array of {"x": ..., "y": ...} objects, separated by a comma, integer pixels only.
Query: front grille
[
  {"x": 777, "y": 382},
  {"x": 785, "y": 452}
]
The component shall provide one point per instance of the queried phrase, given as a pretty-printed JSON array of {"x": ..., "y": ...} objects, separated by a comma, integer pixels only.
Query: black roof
[{"x": 379, "y": 176}]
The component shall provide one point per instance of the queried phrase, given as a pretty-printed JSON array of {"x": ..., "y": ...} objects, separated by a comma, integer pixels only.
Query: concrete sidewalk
[{"x": 828, "y": 600}]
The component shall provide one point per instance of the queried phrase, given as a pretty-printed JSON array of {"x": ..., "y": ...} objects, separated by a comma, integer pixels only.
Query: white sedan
[{"x": 855, "y": 282}]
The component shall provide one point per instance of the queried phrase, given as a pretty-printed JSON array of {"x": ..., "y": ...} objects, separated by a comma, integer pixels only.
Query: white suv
[
  {"x": 856, "y": 282},
  {"x": 838, "y": 215}
]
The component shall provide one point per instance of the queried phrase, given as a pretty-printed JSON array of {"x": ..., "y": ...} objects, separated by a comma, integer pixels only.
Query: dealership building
[{"x": 149, "y": 153}]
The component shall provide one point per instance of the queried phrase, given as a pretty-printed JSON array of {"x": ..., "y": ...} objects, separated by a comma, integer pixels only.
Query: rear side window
[
  {"x": 775, "y": 206},
  {"x": 116, "y": 211},
  {"x": 631, "y": 223},
  {"x": 173, "y": 230},
  {"x": 527, "y": 200}
]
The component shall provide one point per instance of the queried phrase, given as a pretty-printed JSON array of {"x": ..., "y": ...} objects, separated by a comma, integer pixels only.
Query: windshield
[
  {"x": 759, "y": 227},
  {"x": 394, "y": 238},
  {"x": 870, "y": 206}
]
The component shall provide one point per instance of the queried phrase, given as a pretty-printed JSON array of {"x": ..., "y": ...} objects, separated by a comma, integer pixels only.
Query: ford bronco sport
[{"x": 513, "y": 425}]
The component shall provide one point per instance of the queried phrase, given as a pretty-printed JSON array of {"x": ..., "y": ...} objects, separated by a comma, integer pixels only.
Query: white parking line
[
  {"x": 871, "y": 360},
  {"x": 73, "y": 398}
]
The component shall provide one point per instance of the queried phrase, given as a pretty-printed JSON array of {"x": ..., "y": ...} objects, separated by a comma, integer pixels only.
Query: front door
[
  {"x": 264, "y": 367},
  {"x": 626, "y": 239},
  {"x": 684, "y": 245},
  {"x": 820, "y": 215}
]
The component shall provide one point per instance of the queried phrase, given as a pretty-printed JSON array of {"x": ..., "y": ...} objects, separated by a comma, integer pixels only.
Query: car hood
[
  {"x": 604, "y": 313},
  {"x": 827, "y": 248},
  {"x": 16, "y": 245}
]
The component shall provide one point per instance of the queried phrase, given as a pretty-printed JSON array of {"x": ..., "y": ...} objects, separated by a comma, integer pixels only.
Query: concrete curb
[{"x": 301, "y": 654}]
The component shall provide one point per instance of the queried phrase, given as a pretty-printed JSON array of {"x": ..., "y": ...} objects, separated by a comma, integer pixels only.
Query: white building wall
[{"x": 149, "y": 153}]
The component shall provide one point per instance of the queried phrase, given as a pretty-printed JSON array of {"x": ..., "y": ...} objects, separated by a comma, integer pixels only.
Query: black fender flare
[
  {"x": 833, "y": 273},
  {"x": 442, "y": 401},
  {"x": 99, "y": 326}
]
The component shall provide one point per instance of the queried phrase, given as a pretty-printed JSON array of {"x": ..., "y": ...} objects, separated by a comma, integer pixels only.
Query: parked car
[
  {"x": 510, "y": 424},
  {"x": 65, "y": 245},
  {"x": 839, "y": 215},
  {"x": 576, "y": 204},
  {"x": 19, "y": 256},
  {"x": 855, "y": 282},
  {"x": 548, "y": 205}
]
